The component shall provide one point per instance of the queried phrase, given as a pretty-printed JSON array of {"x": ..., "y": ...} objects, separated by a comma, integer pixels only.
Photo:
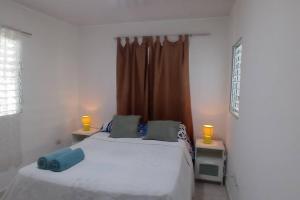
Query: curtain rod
[
  {"x": 191, "y": 35},
  {"x": 17, "y": 30}
]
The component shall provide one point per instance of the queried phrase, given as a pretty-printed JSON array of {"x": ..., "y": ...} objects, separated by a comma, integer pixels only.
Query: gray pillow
[
  {"x": 125, "y": 126},
  {"x": 162, "y": 130}
]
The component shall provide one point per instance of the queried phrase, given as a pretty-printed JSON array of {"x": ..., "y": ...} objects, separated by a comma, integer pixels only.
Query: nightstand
[
  {"x": 210, "y": 160},
  {"x": 80, "y": 134}
]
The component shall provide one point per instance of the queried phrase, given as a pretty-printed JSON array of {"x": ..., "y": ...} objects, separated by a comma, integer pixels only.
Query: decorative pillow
[
  {"x": 106, "y": 127},
  {"x": 182, "y": 135},
  {"x": 125, "y": 126},
  {"x": 142, "y": 129},
  {"x": 162, "y": 130}
]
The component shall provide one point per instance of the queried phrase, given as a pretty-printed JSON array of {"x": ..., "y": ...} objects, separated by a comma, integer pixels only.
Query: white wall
[
  {"x": 264, "y": 143},
  {"x": 208, "y": 67},
  {"x": 50, "y": 89}
]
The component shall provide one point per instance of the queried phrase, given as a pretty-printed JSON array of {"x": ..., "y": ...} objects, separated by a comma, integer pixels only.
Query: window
[
  {"x": 10, "y": 68},
  {"x": 236, "y": 78}
]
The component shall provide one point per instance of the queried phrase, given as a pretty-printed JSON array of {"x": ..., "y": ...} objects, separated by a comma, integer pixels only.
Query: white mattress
[{"x": 113, "y": 169}]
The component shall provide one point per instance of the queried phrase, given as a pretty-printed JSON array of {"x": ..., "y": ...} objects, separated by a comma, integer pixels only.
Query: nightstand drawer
[{"x": 208, "y": 169}]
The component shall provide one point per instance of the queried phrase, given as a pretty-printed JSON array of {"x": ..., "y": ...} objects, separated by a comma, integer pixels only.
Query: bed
[{"x": 113, "y": 169}]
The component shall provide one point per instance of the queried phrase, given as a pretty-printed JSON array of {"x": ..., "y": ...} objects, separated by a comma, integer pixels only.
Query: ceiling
[{"x": 97, "y": 12}]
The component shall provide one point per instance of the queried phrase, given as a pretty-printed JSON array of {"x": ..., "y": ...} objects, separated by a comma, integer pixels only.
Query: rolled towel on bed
[
  {"x": 67, "y": 160},
  {"x": 44, "y": 161}
]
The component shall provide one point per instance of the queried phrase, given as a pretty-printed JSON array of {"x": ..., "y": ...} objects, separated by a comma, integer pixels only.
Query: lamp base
[
  {"x": 86, "y": 128},
  {"x": 207, "y": 140}
]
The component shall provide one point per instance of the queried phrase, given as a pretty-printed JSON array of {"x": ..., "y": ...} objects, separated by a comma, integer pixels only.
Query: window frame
[{"x": 234, "y": 47}]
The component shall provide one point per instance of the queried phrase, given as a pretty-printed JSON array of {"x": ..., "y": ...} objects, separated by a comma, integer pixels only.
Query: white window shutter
[
  {"x": 10, "y": 72},
  {"x": 236, "y": 78}
]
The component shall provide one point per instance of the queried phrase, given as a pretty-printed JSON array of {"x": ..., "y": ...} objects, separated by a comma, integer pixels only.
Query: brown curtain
[
  {"x": 171, "y": 90},
  {"x": 132, "y": 79},
  {"x": 153, "y": 80}
]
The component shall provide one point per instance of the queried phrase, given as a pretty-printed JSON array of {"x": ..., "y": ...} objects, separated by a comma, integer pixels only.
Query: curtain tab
[
  {"x": 148, "y": 40},
  {"x": 180, "y": 38},
  {"x": 186, "y": 37},
  {"x": 119, "y": 40}
]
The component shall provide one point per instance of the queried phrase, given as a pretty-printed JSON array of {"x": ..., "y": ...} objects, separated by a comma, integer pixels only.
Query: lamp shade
[
  {"x": 86, "y": 122},
  {"x": 208, "y": 131}
]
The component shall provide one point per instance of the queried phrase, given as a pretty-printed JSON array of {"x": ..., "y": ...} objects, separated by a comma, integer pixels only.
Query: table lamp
[
  {"x": 208, "y": 131},
  {"x": 86, "y": 122}
]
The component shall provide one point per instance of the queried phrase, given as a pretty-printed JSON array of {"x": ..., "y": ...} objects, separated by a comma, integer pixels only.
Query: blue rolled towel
[
  {"x": 67, "y": 160},
  {"x": 44, "y": 161}
]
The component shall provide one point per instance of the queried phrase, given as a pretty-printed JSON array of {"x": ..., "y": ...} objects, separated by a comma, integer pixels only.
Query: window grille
[
  {"x": 10, "y": 70},
  {"x": 236, "y": 78}
]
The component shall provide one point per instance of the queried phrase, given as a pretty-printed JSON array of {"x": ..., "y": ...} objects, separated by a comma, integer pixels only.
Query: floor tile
[{"x": 209, "y": 191}]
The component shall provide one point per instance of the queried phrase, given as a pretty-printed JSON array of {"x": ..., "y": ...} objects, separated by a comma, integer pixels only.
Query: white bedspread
[{"x": 113, "y": 169}]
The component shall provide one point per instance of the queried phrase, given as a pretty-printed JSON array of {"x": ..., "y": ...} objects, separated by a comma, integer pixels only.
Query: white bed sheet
[{"x": 113, "y": 169}]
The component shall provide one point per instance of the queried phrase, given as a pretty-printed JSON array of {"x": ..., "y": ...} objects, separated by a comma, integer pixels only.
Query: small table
[
  {"x": 210, "y": 160},
  {"x": 79, "y": 135}
]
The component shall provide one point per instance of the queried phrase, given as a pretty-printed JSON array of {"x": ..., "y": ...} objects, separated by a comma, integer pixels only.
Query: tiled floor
[{"x": 209, "y": 191}]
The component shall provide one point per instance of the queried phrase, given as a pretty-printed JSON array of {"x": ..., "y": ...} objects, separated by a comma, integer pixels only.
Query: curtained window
[{"x": 153, "y": 80}]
